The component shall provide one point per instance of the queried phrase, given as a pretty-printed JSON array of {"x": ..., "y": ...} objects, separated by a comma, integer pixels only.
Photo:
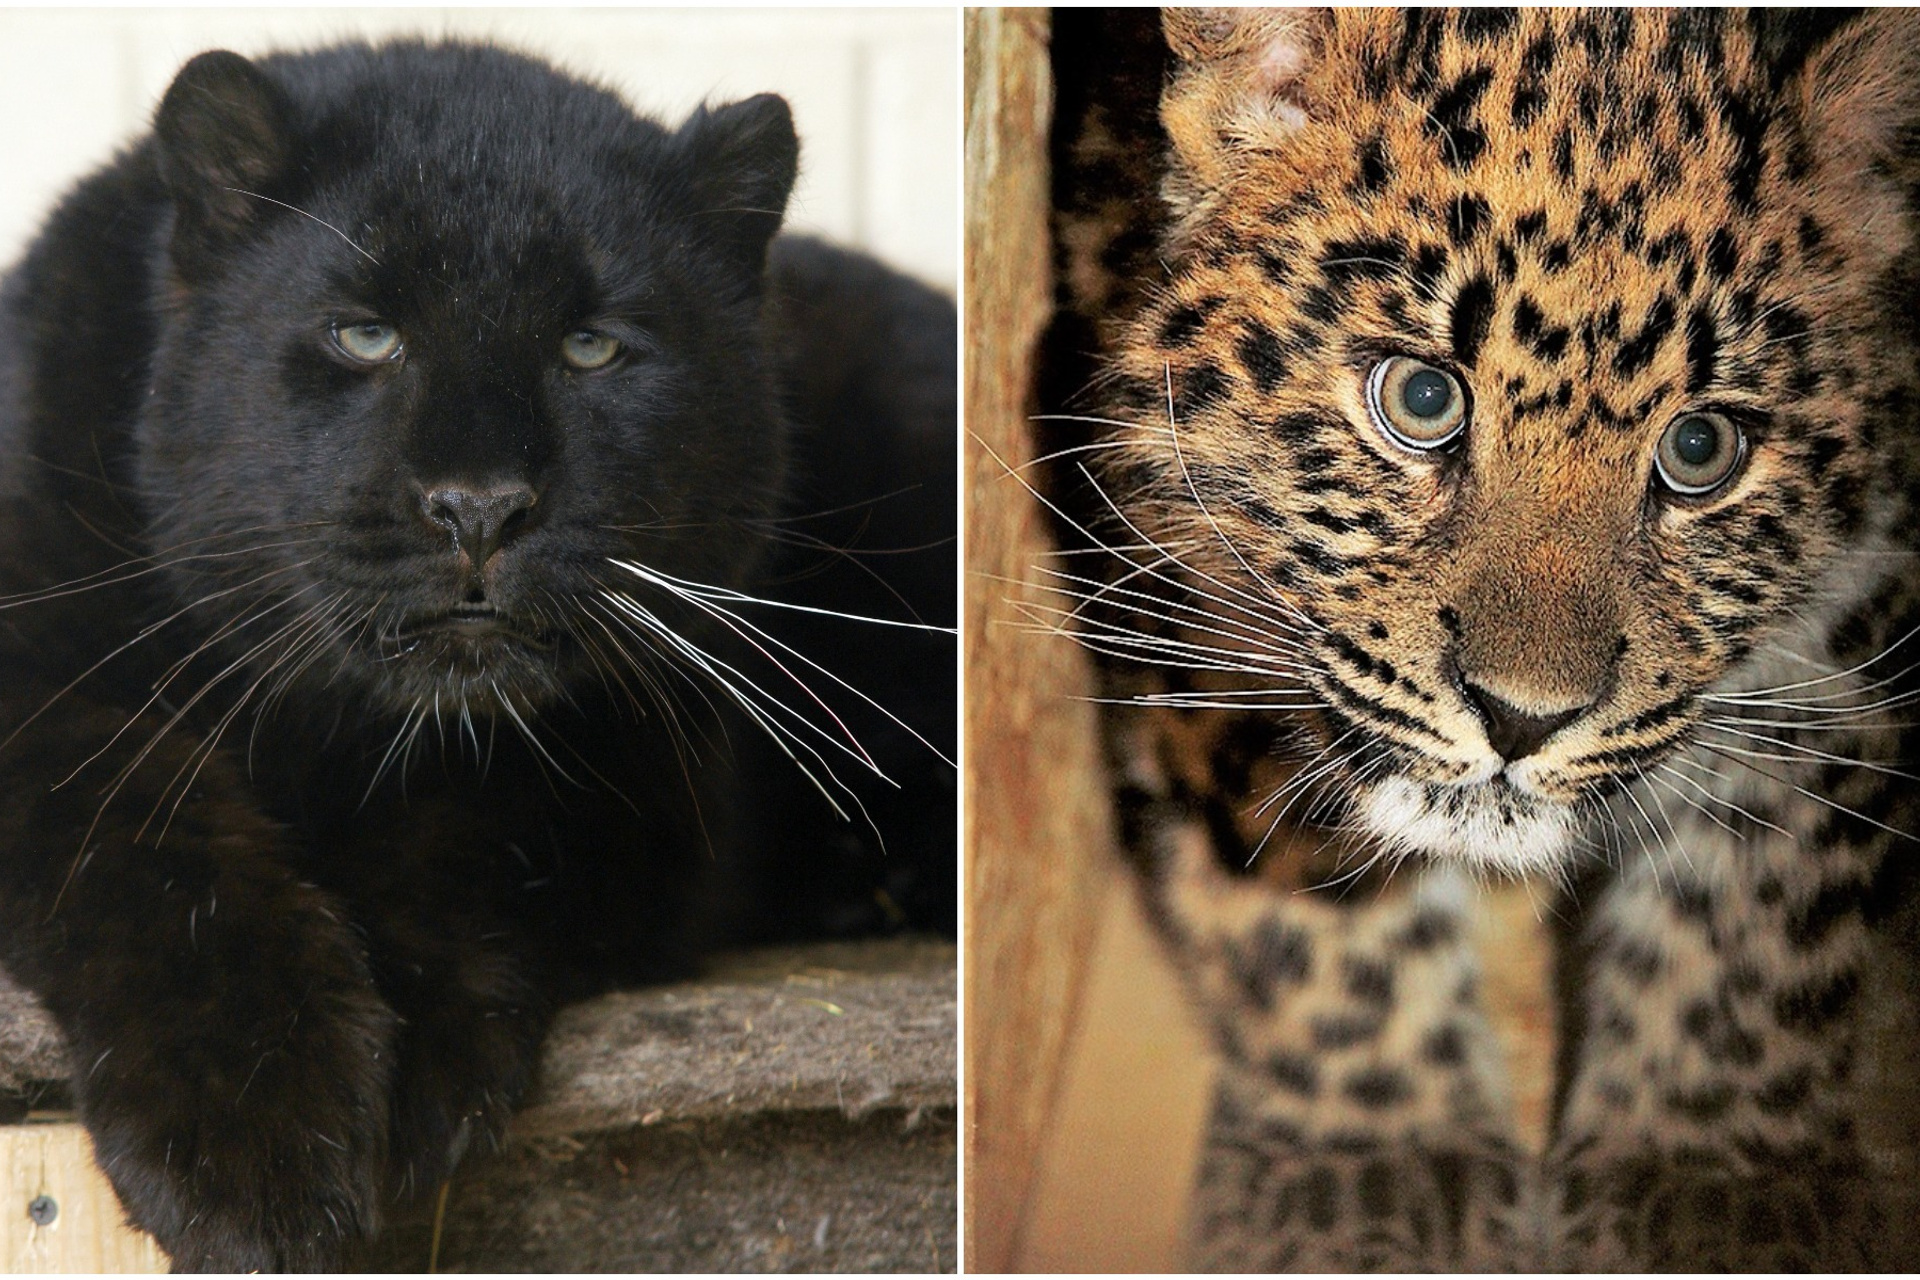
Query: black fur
[{"x": 328, "y": 771}]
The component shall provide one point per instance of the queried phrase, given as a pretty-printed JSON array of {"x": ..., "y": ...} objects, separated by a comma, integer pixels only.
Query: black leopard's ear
[
  {"x": 224, "y": 134},
  {"x": 1237, "y": 89},
  {"x": 743, "y": 158}
]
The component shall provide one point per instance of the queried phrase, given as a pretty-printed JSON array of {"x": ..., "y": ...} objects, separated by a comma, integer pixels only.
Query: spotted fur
[{"x": 1522, "y": 654}]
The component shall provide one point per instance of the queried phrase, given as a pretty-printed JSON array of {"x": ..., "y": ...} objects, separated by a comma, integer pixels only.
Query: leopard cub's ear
[
  {"x": 1860, "y": 100},
  {"x": 1237, "y": 89}
]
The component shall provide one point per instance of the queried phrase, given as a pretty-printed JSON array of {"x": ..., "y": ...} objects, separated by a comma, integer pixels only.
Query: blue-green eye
[
  {"x": 370, "y": 343},
  {"x": 589, "y": 350},
  {"x": 1418, "y": 405},
  {"x": 1699, "y": 452}
]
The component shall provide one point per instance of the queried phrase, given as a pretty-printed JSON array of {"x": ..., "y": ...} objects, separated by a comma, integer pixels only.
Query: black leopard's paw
[
  {"x": 238, "y": 1095},
  {"x": 466, "y": 1056}
]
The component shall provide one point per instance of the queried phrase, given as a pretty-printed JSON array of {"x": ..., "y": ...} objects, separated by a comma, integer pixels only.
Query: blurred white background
[{"x": 875, "y": 94}]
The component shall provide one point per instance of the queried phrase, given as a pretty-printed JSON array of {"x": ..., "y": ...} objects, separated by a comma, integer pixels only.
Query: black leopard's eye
[
  {"x": 369, "y": 343},
  {"x": 1699, "y": 452},
  {"x": 589, "y": 350},
  {"x": 1417, "y": 405}
]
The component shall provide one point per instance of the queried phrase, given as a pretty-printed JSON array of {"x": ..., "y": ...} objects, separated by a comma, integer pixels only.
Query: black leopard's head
[{"x": 445, "y": 333}]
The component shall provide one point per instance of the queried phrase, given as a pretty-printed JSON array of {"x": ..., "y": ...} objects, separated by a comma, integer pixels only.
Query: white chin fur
[{"x": 1490, "y": 828}]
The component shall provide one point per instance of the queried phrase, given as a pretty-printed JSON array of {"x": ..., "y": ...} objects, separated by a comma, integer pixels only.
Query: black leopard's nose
[
  {"x": 481, "y": 519},
  {"x": 1513, "y": 733}
]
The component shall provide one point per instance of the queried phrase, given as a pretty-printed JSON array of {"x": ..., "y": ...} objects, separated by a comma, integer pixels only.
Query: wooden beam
[
  {"x": 1037, "y": 819},
  {"x": 57, "y": 1212}
]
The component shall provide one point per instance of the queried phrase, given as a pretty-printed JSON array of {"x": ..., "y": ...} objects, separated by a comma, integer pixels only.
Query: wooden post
[
  {"x": 1038, "y": 827},
  {"x": 57, "y": 1212}
]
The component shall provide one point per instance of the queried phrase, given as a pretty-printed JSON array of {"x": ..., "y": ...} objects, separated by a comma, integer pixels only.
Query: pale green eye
[
  {"x": 589, "y": 350},
  {"x": 1415, "y": 403},
  {"x": 1699, "y": 452},
  {"x": 369, "y": 343}
]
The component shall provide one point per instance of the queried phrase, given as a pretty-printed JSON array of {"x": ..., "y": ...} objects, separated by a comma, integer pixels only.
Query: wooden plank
[
  {"x": 1036, "y": 813},
  {"x": 47, "y": 1172}
]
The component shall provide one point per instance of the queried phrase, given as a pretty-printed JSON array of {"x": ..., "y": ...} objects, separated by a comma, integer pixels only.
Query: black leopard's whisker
[
  {"x": 712, "y": 666},
  {"x": 659, "y": 689},
  {"x": 245, "y": 618},
  {"x": 203, "y": 751},
  {"x": 255, "y": 195},
  {"x": 699, "y": 590},
  {"x": 82, "y": 855},
  {"x": 144, "y": 633},
  {"x": 854, "y": 748},
  {"x": 416, "y": 714},
  {"x": 708, "y": 600},
  {"x": 541, "y": 756},
  {"x": 322, "y": 624},
  {"x": 181, "y": 713},
  {"x": 783, "y": 737},
  {"x": 154, "y": 564}
]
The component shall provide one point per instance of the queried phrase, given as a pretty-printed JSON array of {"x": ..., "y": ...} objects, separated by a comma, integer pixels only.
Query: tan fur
[{"x": 1599, "y": 223}]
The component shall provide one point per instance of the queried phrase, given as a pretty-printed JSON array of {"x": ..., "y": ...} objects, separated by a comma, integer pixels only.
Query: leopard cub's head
[{"x": 1518, "y": 375}]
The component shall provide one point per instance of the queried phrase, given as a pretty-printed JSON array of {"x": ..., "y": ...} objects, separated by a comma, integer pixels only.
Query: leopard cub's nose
[{"x": 1513, "y": 733}]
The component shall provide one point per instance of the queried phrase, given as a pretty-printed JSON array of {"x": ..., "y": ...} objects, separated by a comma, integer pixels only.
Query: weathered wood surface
[
  {"x": 1037, "y": 819},
  {"x": 849, "y": 1028},
  {"x": 705, "y": 1125}
]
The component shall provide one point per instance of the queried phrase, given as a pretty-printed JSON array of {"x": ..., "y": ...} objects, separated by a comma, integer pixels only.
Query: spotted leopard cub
[{"x": 1513, "y": 473}]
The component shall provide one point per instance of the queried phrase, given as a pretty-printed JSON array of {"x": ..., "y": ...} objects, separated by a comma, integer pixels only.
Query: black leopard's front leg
[
  {"x": 1360, "y": 1122},
  {"x": 232, "y": 1055},
  {"x": 1711, "y": 1123},
  {"x": 444, "y": 903}
]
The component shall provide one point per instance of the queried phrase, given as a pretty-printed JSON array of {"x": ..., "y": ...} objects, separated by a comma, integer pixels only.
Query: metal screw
[{"x": 43, "y": 1210}]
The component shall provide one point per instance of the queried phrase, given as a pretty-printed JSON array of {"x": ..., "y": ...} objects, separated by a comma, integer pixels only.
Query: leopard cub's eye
[
  {"x": 370, "y": 343},
  {"x": 1418, "y": 405},
  {"x": 589, "y": 350},
  {"x": 1699, "y": 452}
]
